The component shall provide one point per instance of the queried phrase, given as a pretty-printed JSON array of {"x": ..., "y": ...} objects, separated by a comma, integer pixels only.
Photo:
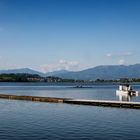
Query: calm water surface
[
  {"x": 23, "y": 120},
  {"x": 102, "y": 92}
]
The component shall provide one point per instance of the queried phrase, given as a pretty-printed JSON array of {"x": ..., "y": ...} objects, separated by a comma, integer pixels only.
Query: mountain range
[
  {"x": 106, "y": 72},
  {"x": 22, "y": 70}
]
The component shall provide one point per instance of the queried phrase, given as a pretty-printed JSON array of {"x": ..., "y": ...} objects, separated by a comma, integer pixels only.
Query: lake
[{"x": 24, "y": 120}]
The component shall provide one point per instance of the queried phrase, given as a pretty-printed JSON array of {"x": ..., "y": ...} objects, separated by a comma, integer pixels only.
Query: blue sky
[{"x": 49, "y": 35}]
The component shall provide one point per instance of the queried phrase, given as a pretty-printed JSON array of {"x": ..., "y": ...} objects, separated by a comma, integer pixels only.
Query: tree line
[{"x": 24, "y": 77}]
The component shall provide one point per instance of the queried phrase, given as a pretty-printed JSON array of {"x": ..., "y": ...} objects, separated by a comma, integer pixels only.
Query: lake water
[{"x": 24, "y": 120}]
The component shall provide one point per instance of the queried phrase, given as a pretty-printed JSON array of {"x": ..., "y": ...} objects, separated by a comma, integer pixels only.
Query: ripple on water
[{"x": 33, "y": 121}]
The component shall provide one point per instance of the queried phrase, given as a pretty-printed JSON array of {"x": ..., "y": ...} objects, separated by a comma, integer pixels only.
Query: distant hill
[
  {"x": 107, "y": 72},
  {"x": 22, "y": 70},
  {"x": 104, "y": 72},
  {"x": 57, "y": 73}
]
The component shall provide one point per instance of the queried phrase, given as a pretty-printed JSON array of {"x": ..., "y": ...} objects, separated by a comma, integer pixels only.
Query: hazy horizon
[
  {"x": 50, "y": 35},
  {"x": 57, "y": 70}
]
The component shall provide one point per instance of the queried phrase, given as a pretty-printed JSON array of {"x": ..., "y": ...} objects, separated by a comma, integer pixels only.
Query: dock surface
[
  {"x": 32, "y": 98},
  {"x": 105, "y": 103}
]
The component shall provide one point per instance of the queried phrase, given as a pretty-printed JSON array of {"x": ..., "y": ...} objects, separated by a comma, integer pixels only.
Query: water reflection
[{"x": 125, "y": 97}]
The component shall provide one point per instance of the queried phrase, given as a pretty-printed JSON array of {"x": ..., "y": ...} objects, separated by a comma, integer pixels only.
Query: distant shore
[{"x": 24, "y": 77}]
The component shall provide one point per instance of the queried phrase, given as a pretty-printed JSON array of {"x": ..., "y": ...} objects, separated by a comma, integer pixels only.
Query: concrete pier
[
  {"x": 32, "y": 98},
  {"x": 105, "y": 103}
]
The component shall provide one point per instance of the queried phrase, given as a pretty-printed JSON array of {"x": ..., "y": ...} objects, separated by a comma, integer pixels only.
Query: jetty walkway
[{"x": 105, "y": 103}]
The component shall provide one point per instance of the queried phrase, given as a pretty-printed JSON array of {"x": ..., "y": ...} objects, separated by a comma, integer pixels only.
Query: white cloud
[
  {"x": 109, "y": 55},
  {"x": 119, "y": 57},
  {"x": 123, "y": 54},
  {"x": 60, "y": 65},
  {"x": 121, "y": 62}
]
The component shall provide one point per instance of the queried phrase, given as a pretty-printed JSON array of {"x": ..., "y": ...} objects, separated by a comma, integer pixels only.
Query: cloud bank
[
  {"x": 119, "y": 54},
  {"x": 60, "y": 65},
  {"x": 121, "y": 62},
  {"x": 120, "y": 58}
]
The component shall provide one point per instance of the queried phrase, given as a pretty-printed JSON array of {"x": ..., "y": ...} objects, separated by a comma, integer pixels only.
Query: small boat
[
  {"x": 80, "y": 86},
  {"x": 125, "y": 90}
]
